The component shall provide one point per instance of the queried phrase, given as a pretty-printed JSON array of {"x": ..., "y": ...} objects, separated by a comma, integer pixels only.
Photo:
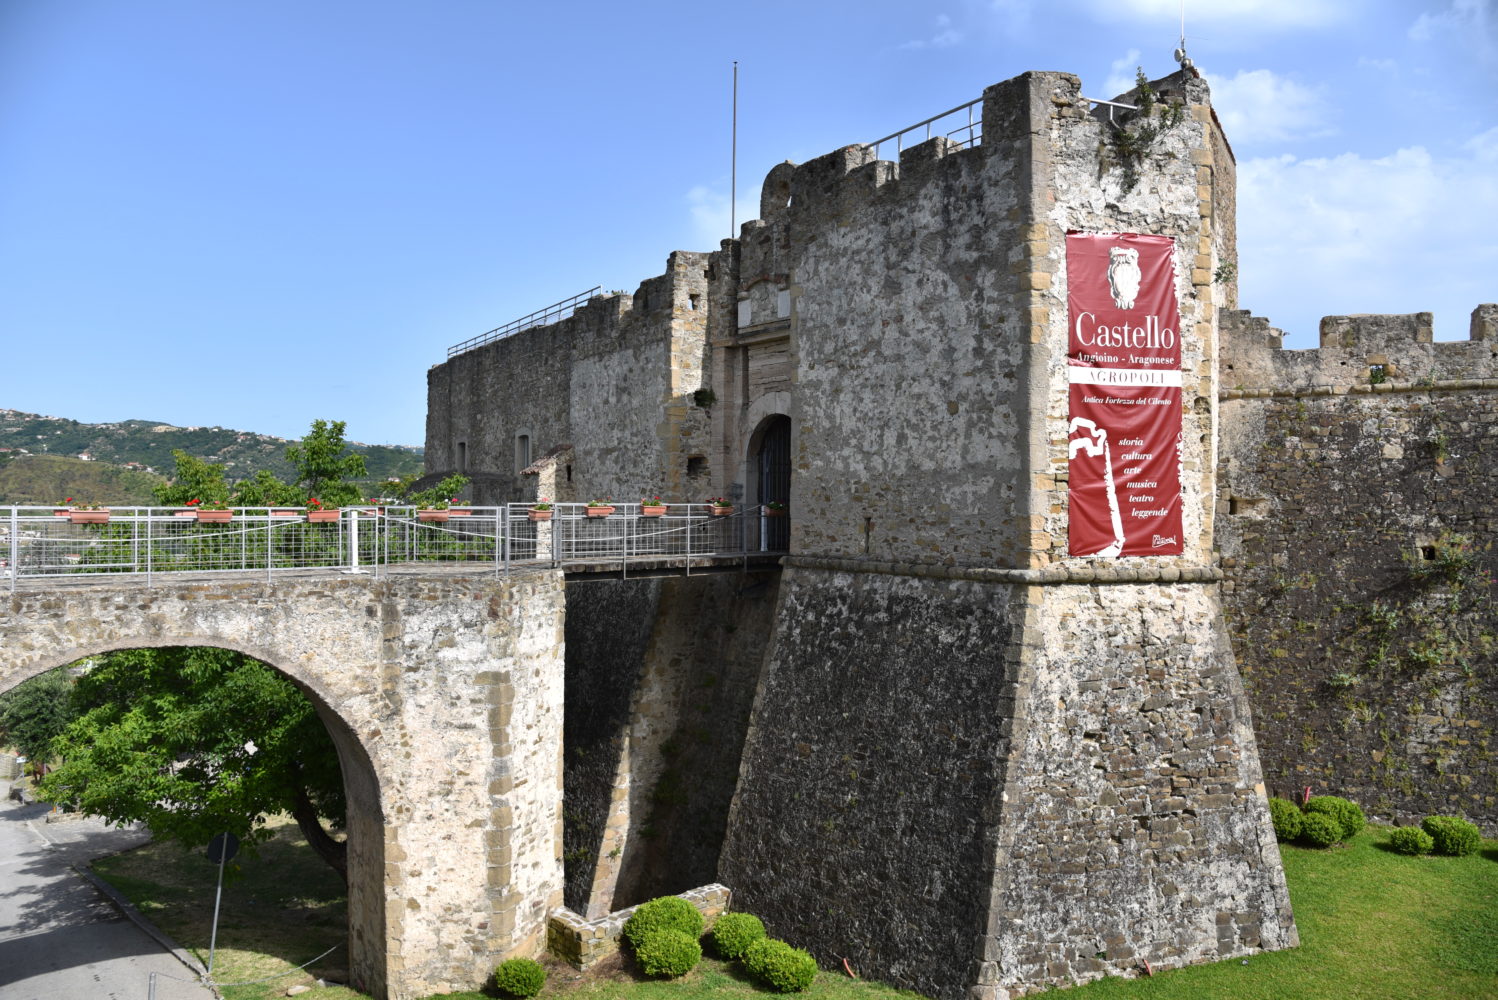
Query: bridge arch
[{"x": 440, "y": 695}]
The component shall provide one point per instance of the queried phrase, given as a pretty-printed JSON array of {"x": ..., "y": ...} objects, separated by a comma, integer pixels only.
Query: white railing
[
  {"x": 949, "y": 123},
  {"x": 48, "y": 544},
  {"x": 554, "y": 313}
]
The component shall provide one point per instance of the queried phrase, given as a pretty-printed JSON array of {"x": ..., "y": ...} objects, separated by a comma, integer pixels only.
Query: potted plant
[
  {"x": 211, "y": 511},
  {"x": 434, "y": 505},
  {"x": 600, "y": 507},
  {"x": 775, "y": 509},
  {"x": 63, "y": 509},
  {"x": 719, "y": 506},
  {"x": 320, "y": 513},
  {"x": 88, "y": 513},
  {"x": 652, "y": 507},
  {"x": 540, "y": 510}
]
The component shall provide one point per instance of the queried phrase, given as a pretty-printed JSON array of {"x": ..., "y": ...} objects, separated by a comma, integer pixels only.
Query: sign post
[{"x": 221, "y": 848}]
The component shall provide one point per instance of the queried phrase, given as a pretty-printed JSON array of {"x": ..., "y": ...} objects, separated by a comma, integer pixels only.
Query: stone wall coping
[
  {"x": 1049, "y": 575},
  {"x": 1434, "y": 385},
  {"x": 583, "y": 943}
]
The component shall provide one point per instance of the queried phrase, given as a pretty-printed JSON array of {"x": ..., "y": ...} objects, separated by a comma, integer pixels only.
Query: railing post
[
  {"x": 353, "y": 540},
  {"x": 15, "y": 547},
  {"x": 149, "y": 547}
]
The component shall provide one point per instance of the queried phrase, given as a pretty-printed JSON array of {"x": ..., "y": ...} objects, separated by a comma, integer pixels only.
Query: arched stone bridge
[{"x": 443, "y": 694}]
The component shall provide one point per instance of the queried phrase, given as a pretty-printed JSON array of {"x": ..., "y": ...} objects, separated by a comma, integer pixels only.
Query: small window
[
  {"x": 1428, "y": 553},
  {"x": 783, "y": 303},
  {"x": 692, "y": 301},
  {"x": 745, "y": 312},
  {"x": 462, "y": 456},
  {"x": 522, "y": 451},
  {"x": 696, "y": 466}
]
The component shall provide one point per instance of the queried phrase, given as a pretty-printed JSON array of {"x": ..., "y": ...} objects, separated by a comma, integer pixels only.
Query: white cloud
[
  {"x": 1382, "y": 65},
  {"x": 945, "y": 37},
  {"x": 710, "y": 219},
  {"x": 1261, "y": 106},
  {"x": 1472, "y": 21},
  {"x": 1250, "y": 13},
  {"x": 1463, "y": 15},
  {"x": 1122, "y": 74},
  {"x": 1407, "y": 232}
]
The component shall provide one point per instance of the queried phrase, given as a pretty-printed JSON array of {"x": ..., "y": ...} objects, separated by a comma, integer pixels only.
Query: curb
[{"x": 128, "y": 910}]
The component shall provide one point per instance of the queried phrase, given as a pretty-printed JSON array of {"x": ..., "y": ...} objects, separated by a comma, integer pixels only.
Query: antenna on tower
[{"x": 1180, "y": 53}]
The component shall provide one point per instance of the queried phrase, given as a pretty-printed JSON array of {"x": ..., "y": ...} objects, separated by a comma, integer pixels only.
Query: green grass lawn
[{"x": 1374, "y": 925}]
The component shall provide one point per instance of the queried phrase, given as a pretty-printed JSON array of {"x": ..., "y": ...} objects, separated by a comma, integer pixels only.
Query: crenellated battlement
[{"x": 1372, "y": 352}]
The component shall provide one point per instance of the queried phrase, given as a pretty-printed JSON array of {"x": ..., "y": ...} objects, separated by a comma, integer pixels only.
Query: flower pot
[
  {"x": 184, "y": 513},
  {"x": 215, "y": 516},
  {"x": 324, "y": 516},
  {"x": 62, "y": 512},
  {"x": 285, "y": 513},
  {"x": 720, "y": 511},
  {"x": 600, "y": 511},
  {"x": 432, "y": 516},
  {"x": 771, "y": 512},
  {"x": 88, "y": 517},
  {"x": 652, "y": 510},
  {"x": 460, "y": 512},
  {"x": 538, "y": 515}
]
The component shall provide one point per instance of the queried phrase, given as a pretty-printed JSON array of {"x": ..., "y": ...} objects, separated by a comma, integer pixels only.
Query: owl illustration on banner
[{"x": 1123, "y": 275}]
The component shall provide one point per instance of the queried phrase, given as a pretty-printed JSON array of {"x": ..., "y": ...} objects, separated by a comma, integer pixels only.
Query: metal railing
[
  {"x": 971, "y": 132},
  {"x": 554, "y": 313},
  {"x": 39, "y": 544}
]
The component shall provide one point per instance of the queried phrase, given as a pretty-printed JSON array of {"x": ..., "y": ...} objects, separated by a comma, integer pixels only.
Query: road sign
[{"x": 222, "y": 848}]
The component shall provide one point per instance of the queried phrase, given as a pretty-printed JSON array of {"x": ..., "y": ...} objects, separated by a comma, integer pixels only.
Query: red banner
[{"x": 1124, "y": 367}]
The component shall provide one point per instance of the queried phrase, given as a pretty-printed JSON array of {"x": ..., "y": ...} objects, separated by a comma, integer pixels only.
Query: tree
[
  {"x": 198, "y": 741},
  {"x": 37, "y": 711},
  {"x": 322, "y": 467},
  {"x": 195, "y": 480}
]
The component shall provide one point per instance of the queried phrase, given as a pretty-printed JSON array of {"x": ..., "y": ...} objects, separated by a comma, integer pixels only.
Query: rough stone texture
[
  {"x": 615, "y": 380},
  {"x": 584, "y": 943},
  {"x": 1371, "y": 668},
  {"x": 864, "y": 820},
  {"x": 661, "y": 676},
  {"x": 1134, "y": 827},
  {"x": 443, "y": 696}
]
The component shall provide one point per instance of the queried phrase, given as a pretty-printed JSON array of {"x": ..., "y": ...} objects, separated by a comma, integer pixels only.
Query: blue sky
[{"x": 251, "y": 214}]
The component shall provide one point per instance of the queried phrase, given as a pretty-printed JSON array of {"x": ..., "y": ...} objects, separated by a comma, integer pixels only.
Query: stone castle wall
[
  {"x": 615, "y": 380},
  {"x": 1359, "y": 545}
]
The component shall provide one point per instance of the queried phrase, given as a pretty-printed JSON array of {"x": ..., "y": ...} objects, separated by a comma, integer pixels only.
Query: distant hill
[
  {"x": 149, "y": 445},
  {"x": 49, "y": 479}
]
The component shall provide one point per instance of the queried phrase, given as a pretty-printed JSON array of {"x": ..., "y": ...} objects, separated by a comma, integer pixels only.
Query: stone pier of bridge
[{"x": 443, "y": 694}]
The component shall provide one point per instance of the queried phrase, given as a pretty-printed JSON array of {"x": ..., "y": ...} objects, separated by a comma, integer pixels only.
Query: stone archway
[{"x": 443, "y": 696}]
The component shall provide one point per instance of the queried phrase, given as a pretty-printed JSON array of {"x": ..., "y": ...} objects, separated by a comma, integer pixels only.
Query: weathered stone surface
[{"x": 454, "y": 816}]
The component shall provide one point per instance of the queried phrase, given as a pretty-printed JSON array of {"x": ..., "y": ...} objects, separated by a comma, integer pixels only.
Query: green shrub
[
  {"x": 665, "y": 913},
  {"x": 1320, "y": 830},
  {"x": 1411, "y": 840},
  {"x": 520, "y": 977},
  {"x": 1348, "y": 814},
  {"x": 1287, "y": 819},
  {"x": 779, "y": 966},
  {"x": 1452, "y": 834},
  {"x": 667, "y": 952},
  {"x": 735, "y": 932}
]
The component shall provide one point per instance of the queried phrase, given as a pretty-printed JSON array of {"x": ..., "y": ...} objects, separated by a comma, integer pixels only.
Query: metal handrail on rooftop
[
  {"x": 974, "y": 129},
  {"x": 553, "y": 313}
]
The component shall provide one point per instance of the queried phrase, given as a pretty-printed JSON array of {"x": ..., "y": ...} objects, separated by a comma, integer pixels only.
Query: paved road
[{"x": 60, "y": 939}]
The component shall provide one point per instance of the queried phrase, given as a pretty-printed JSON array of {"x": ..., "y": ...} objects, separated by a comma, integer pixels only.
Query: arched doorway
[{"x": 771, "y": 449}]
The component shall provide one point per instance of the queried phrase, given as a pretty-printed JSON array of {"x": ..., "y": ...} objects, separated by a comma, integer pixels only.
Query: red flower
[{"x": 193, "y": 502}]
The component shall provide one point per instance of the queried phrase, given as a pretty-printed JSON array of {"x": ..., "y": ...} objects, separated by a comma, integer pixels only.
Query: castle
[{"x": 940, "y": 742}]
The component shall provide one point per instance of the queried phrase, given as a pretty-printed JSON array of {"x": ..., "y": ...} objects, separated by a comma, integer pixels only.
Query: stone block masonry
[{"x": 443, "y": 695}]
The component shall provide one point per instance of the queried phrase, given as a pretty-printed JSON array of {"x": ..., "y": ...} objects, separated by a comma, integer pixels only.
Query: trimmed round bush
[
  {"x": 520, "y": 977},
  {"x": 1411, "y": 840},
  {"x": 1452, "y": 834},
  {"x": 1348, "y": 814},
  {"x": 1320, "y": 830},
  {"x": 666, "y": 952},
  {"x": 779, "y": 966},
  {"x": 664, "y": 913},
  {"x": 1287, "y": 819},
  {"x": 735, "y": 932}
]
